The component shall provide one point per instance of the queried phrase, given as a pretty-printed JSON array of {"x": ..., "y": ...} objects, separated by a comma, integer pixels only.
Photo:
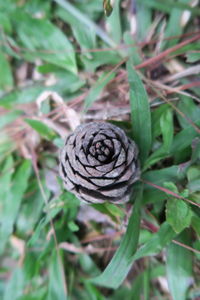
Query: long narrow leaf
[
  {"x": 118, "y": 269},
  {"x": 121, "y": 262},
  {"x": 140, "y": 113},
  {"x": 157, "y": 243},
  {"x": 56, "y": 289},
  {"x": 167, "y": 130},
  {"x": 166, "y": 6},
  {"x": 12, "y": 202},
  {"x": 95, "y": 91},
  {"x": 14, "y": 287},
  {"x": 179, "y": 266},
  {"x": 85, "y": 21}
]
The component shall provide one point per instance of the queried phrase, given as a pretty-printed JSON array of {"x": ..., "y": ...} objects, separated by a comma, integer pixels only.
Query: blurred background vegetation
[{"x": 62, "y": 63}]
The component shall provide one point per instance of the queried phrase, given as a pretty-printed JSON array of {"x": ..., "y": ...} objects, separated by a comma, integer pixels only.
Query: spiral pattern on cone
[{"x": 99, "y": 163}]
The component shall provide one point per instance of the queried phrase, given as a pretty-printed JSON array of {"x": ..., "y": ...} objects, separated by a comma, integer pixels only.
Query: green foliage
[
  {"x": 166, "y": 6},
  {"x": 56, "y": 278},
  {"x": 6, "y": 79},
  {"x": 14, "y": 288},
  {"x": 140, "y": 113},
  {"x": 40, "y": 34},
  {"x": 166, "y": 130},
  {"x": 96, "y": 90},
  {"x": 16, "y": 187},
  {"x": 42, "y": 129},
  {"x": 178, "y": 212},
  {"x": 193, "y": 57},
  {"x": 179, "y": 266},
  {"x": 68, "y": 57},
  {"x": 121, "y": 263}
]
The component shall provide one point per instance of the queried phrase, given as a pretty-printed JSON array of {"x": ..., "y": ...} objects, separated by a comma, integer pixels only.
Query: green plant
[{"x": 64, "y": 63}]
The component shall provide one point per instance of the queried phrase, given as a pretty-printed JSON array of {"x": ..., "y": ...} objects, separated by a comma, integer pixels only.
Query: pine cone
[{"x": 99, "y": 163}]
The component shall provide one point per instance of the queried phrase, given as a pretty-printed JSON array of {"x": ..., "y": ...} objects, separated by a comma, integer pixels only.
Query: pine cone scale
[{"x": 99, "y": 163}]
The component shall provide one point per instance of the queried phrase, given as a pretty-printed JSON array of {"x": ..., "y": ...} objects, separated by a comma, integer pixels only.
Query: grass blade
[
  {"x": 167, "y": 130},
  {"x": 13, "y": 200},
  {"x": 85, "y": 21},
  {"x": 38, "y": 37},
  {"x": 121, "y": 262},
  {"x": 120, "y": 265},
  {"x": 14, "y": 287},
  {"x": 179, "y": 266},
  {"x": 140, "y": 113},
  {"x": 6, "y": 79},
  {"x": 166, "y": 6},
  {"x": 56, "y": 288},
  {"x": 157, "y": 243},
  {"x": 114, "y": 23},
  {"x": 97, "y": 88},
  {"x": 41, "y": 128}
]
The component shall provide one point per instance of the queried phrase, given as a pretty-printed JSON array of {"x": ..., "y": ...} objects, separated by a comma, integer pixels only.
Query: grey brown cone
[{"x": 99, "y": 163}]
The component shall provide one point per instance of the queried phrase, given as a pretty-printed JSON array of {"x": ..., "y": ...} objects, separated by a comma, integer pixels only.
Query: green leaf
[
  {"x": 42, "y": 129},
  {"x": 119, "y": 266},
  {"x": 85, "y": 21},
  {"x": 38, "y": 6},
  {"x": 155, "y": 119},
  {"x": 85, "y": 35},
  {"x": 66, "y": 83},
  {"x": 56, "y": 288},
  {"x": 140, "y": 113},
  {"x": 92, "y": 292},
  {"x": 167, "y": 5},
  {"x": 195, "y": 150},
  {"x": 98, "y": 59},
  {"x": 37, "y": 231},
  {"x": 5, "y": 22},
  {"x": 72, "y": 226},
  {"x": 161, "y": 176},
  {"x": 114, "y": 22},
  {"x": 51, "y": 43},
  {"x": 144, "y": 20},
  {"x": 12, "y": 201},
  {"x": 14, "y": 287},
  {"x": 173, "y": 26},
  {"x": 133, "y": 50},
  {"x": 157, "y": 242},
  {"x": 188, "y": 107},
  {"x": 30, "y": 211},
  {"x": 9, "y": 117},
  {"x": 114, "y": 210},
  {"x": 25, "y": 95},
  {"x": 193, "y": 175},
  {"x": 189, "y": 47},
  {"x": 7, "y": 146},
  {"x": 38, "y": 294},
  {"x": 178, "y": 212},
  {"x": 179, "y": 269},
  {"x": 109, "y": 209},
  {"x": 96, "y": 90},
  {"x": 6, "y": 175},
  {"x": 6, "y": 79},
  {"x": 196, "y": 224},
  {"x": 193, "y": 57},
  {"x": 152, "y": 247},
  {"x": 167, "y": 130},
  {"x": 184, "y": 138}
]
